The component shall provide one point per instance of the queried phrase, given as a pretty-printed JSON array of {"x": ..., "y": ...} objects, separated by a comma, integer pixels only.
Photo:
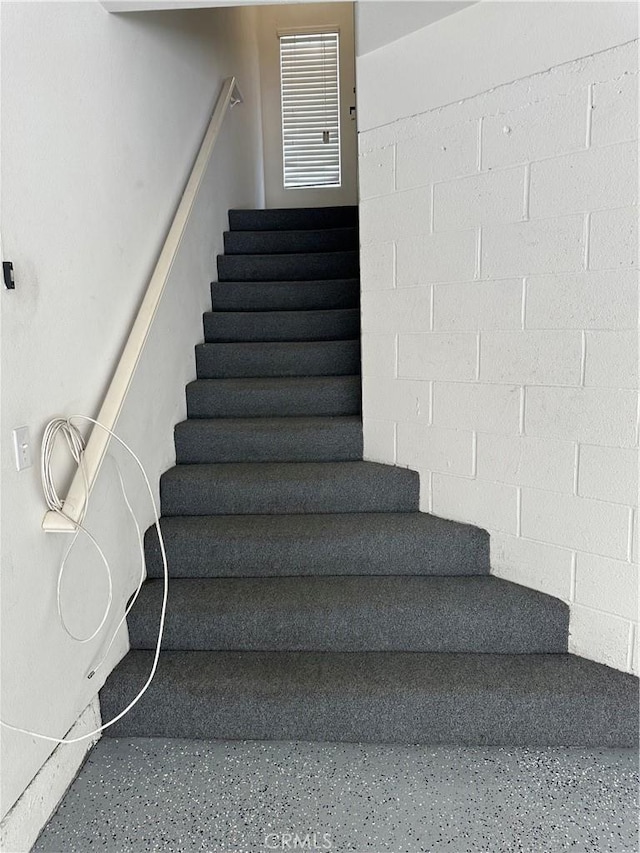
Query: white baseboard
[{"x": 26, "y": 819}]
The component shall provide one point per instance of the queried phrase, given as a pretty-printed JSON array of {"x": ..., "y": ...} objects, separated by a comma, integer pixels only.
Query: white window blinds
[{"x": 310, "y": 91}]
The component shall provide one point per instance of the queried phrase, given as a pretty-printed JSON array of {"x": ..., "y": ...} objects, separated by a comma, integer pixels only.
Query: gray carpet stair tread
[
  {"x": 411, "y": 543},
  {"x": 348, "y": 614},
  {"x": 281, "y": 241},
  {"x": 289, "y": 267},
  {"x": 288, "y": 218},
  {"x": 285, "y": 295},
  {"x": 274, "y": 396},
  {"x": 410, "y": 697},
  {"x": 300, "y": 358},
  {"x": 320, "y": 325},
  {"x": 296, "y": 439},
  {"x": 287, "y": 487}
]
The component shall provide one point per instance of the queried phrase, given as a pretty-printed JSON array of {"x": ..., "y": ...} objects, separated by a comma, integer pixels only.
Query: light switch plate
[{"x": 22, "y": 448}]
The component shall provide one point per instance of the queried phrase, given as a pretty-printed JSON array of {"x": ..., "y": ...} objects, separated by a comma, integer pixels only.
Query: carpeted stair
[{"x": 309, "y": 598}]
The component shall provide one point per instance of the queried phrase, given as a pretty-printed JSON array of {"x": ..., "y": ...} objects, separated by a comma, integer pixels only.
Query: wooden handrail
[{"x": 116, "y": 394}]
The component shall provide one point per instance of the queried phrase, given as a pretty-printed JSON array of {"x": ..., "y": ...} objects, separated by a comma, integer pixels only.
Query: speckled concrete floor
[{"x": 183, "y": 796}]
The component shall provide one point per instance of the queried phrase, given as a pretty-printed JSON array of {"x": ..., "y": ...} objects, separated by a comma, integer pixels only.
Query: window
[{"x": 310, "y": 91}]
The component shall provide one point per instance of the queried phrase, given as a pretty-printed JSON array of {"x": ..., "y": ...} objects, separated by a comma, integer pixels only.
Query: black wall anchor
[{"x": 7, "y": 272}]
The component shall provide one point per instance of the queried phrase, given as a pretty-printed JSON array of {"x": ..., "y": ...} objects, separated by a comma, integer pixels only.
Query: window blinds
[{"x": 310, "y": 92}]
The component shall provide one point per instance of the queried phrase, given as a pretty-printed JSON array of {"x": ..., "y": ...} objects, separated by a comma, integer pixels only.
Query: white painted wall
[
  {"x": 20, "y": 828},
  {"x": 379, "y": 22},
  {"x": 102, "y": 116},
  {"x": 499, "y": 278}
]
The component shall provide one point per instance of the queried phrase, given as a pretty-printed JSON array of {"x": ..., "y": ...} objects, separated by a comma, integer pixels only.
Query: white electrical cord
[{"x": 75, "y": 443}]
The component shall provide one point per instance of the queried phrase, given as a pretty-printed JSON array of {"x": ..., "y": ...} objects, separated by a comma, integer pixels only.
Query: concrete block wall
[{"x": 499, "y": 309}]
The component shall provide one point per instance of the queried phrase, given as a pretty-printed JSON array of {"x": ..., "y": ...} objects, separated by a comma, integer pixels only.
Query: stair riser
[
  {"x": 471, "y": 615},
  {"x": 206, "y": 494},
  {"x": 281, "y": 326},
  {"x": 392, "y": 720},
  {"x": 211, "y": 401},
  {"x": 285, "y": 296},
  {"x": 354, "y": 546},
  {"x": 288, "y": 267},
  {"x": 201, "y": 442},
  {"x": 200, "y": 635},
  {"x": 291, "y": 219},
  {"x": 275, "y": 242},
  {"x": 283, "y": 697},
  {"x": 328, "y": 358}
]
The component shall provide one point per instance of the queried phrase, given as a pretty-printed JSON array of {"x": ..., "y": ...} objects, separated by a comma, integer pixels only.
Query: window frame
[{"x": 302, "y": 31}]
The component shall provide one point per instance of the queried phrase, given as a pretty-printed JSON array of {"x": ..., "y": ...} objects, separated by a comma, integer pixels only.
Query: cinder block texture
[
  {"x": 490, "y": 505},
  {"x": 593, "y": 415},
  {"x": 478, "y": 200},
  {"x": 468, "y": 405},
  {"x": 614, "y": 238},
  {"x": 612, "y": 359},
  {"x": 535, "y": 131},
  {"x": 531, "y": 358},
  {"x": 403, "y": 310},
  {"x": 379, "y": 440},
  {"x": 377, "y": 172},
  {"x": 395, "y": 215},
  {"x": 535, "y": 564},
  {"x": 426, "y": 158},
  {"x": 611, "y": 631},
  {"x": 619, "y": 595},
  {"x": 548, "y": 245},
  {"x": 448, "y": 256},
  {"x": 588, "y": 300},
  {"x": 609, "y": 473},
  {"x": 584, "y": 181},
  {"x": 572, "y": 522},
  {"x": 379, "y": 355},
  {"x": 432, "y": 449},
  {"x": 397, "y": 399},
  {"x": 525, "y": 461},
  {"x": 471, "y": 306},
  {"x": 510, "y": 219},
  {"x": 378, "y": 266},
  {"x": 615, "y": 110},
  {"x": 438, "y": 356}
]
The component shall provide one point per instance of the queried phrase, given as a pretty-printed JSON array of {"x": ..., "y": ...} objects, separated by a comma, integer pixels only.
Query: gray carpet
[
  {"x": 270, "y": 439},
  {"x": 310, "y": 599},
  {"x": 346, "y": 614},
  {"x": 285, "y": 295},
  {"x": 243, "y": 488},
  {"x": 282, "y": 396},
  {"x": 291, "y": 358},
  {"x": 288, "y": 219},
  {"x": 378, "y": 697},
  {"x": 177, "y": 796},
  {"x": 267, "y": 326},
  {"x": 370, "y": 544},
  {"x": 279, "y": 242},
  {"x": 291, "y": 267}
]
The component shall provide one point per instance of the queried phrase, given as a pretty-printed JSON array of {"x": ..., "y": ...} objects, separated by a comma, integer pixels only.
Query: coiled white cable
[{"x": 75, "y": 443}]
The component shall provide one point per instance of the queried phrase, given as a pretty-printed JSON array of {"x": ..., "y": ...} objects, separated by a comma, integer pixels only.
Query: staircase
[{"x": 309, "y": 599}]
